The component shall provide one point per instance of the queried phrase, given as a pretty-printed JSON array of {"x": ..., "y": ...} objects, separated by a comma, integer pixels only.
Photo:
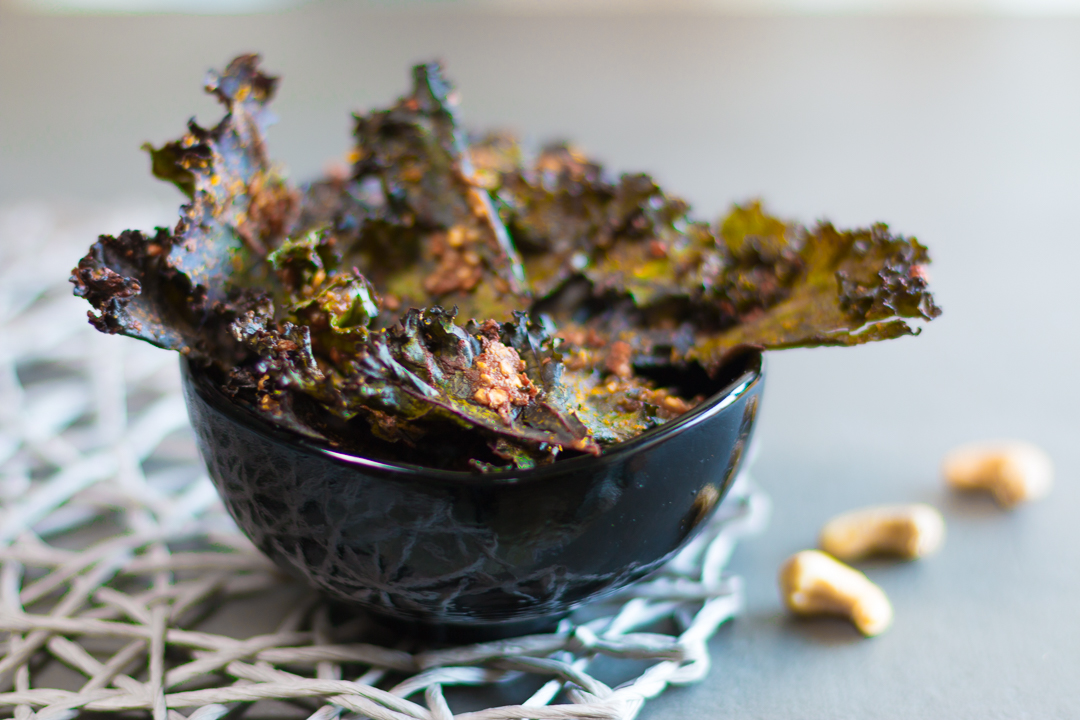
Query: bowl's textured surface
[{"x": 455, "y": 548}]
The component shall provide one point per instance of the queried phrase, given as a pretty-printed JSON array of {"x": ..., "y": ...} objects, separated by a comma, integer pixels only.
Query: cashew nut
[
  {"x": 1013, "y": 470},
  {"x": 812, "y": 583},
  {"x": 909, "y": 531}
]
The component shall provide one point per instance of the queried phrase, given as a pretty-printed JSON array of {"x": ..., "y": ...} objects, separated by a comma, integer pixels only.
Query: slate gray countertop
[{"x": 962, "y": 132}]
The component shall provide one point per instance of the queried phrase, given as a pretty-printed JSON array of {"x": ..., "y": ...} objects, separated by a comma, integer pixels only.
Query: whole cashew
[
  {"x": 812, "y": 583},
  {"x": 909, "y": 531},
  {"x": 1013, "y": 470}
]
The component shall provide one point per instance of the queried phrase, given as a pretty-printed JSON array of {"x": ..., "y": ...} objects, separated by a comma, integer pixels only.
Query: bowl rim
[{"x": 752, "y": 359}]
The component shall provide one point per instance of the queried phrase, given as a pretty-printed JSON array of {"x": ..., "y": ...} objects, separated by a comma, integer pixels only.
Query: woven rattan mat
[{"x": 124, "y": 584}]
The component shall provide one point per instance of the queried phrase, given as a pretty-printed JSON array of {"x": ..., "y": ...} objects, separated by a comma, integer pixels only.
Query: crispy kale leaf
[
  {"x": 135, "y": 291},
  {"x": 567, "y": 218},
  {"x": 625, "y": 260},
  {"x": 412, "y": 217},
  {"x": 501, "y": 380},
  {"x": 241, "y": 206},
  {"x": 837, "y": 287},
  {"x": 169, "y": 289}
]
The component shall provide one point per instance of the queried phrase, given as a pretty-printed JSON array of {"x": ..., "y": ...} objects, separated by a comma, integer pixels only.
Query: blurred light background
[
  {"x": 746, "y": 7},
  {"x": 957, "y": 121}
]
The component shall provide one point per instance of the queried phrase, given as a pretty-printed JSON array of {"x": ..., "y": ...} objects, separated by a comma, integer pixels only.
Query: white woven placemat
[{"x": 114, "y": 551}]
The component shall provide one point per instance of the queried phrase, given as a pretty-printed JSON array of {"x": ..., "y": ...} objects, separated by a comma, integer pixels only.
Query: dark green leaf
[
  {"x": 134, "y": 291},
  {"x": 175, "y": 287},
  {"x": 849, "y": 288},
  {"x": 429, "y": 233}
]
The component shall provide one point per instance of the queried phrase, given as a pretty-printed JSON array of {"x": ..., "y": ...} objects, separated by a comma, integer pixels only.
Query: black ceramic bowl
[{"x": 500, "y": 553}]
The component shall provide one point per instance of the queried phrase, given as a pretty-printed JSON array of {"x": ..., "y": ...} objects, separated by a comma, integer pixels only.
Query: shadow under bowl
[{"x": 477, "y": 555}]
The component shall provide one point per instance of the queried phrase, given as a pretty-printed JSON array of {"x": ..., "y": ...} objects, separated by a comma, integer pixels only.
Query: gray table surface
[{"x": 963, "y": 132}]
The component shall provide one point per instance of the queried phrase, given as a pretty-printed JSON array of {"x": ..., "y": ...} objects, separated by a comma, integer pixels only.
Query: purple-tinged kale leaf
[{"x": 171, "y": 289}]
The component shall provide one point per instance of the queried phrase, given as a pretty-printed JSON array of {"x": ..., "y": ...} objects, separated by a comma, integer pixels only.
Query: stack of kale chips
[{"x": 470, "y": 305}]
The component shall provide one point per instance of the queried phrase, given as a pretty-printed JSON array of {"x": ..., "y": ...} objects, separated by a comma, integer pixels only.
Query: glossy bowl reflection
[{"x": 454, "y": 548}]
